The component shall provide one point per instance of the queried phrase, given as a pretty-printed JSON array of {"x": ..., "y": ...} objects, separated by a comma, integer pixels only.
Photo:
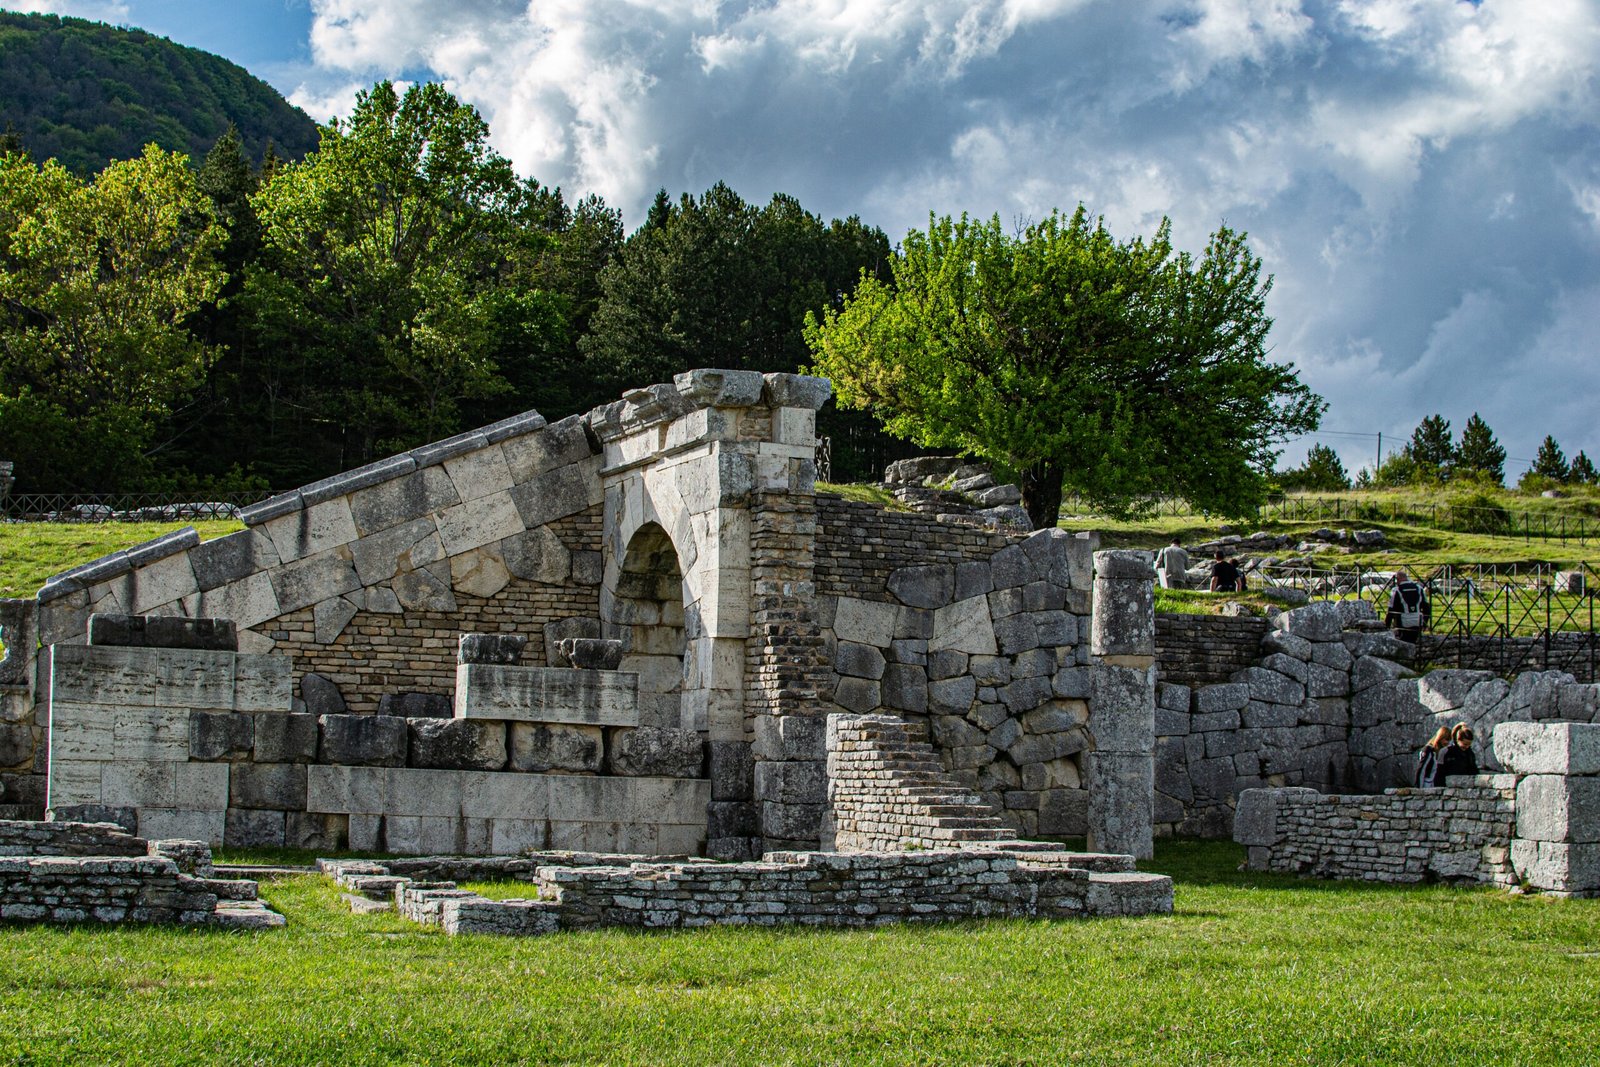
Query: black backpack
[{"x": 1427, "y": 767}]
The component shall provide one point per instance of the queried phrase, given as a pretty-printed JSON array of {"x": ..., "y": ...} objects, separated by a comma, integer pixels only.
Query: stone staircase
[{"x": 889, "y": 791}]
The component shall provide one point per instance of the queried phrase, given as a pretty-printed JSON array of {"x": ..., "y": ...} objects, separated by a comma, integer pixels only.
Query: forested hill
[{"x": 86, "y": 93}]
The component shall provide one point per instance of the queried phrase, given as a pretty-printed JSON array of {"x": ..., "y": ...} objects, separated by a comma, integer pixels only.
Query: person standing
[
  {"x": 1172, "y": 566},
  {"x": 1409, "y": 612},
  {"x": 1224, "y": 574},
  {"x": 1429, "y": 759},
  {"x": 1458, "y": 756}
]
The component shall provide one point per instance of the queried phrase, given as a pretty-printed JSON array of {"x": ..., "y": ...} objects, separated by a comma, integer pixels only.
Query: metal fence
[
  {"x": 1501, "y": 617},
  {"x": 118, "y": 507}
]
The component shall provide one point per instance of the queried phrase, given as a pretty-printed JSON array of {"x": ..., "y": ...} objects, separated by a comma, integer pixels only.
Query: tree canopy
[
  {"x": 1322, "y": 471},
  {"x": 1119, "y": 370},
  {"x": 97, "y": 280},
  {"x": 1479, "y": 454}
]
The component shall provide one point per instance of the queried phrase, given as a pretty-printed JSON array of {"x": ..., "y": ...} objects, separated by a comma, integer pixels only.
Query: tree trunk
[{"x": 1041, "y": 494}]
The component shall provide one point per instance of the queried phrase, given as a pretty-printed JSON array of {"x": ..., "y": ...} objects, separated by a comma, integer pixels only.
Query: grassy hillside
[
  {"x": 86, "y": 93},
  {"x": 30, "y": 552}
]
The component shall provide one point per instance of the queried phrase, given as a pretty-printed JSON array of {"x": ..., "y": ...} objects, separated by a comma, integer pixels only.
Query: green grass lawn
[
  {"x": 30, "y": 552},
  {"x": 1251, "y": 969}
]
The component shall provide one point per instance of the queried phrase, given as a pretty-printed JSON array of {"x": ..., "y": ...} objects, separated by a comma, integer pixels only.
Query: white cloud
[{"x": 112, "y": 11}]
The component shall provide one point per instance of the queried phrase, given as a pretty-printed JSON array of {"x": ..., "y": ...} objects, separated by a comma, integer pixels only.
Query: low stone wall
[
  {"x": 1539, "y": 823},
  {"x": 1462, "y": 832},
  {"x": 1196, "y": 650},
  {"x": 63, "y": 872},
  {"x": 806, "y": 888},
  {"x": 1573, "y": 653}
]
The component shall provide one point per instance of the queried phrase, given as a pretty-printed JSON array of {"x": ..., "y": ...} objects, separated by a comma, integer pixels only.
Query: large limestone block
[
  {"x": 475, "y": 523},
  {"x": 480, "y": 573},
  {"x": 346, "y": 789},
  {"x": 285, "y": 738},
  {"x": 313, "y": 530},
  {"x": 1553, "y": 807},
  {"x": 499, "y": 795},
  {"x": 381, "y": 555},
  {"x": 537, "y": 555},
  {"x": 223, "y": 735},
  {"x": 330, "y": 617},
  {"x": 1123, "y": 623},
  {"x": 1447, "y": 690},
  {"x": 314, "y": 578},
  {"x": 182, "y": 824},
  {"x": 1121, "y": 803},
  {"x": 543, "y": 498},
  {"x": 1548, "y": 748},
  {"x": 363, "y": 740},
  {"x": 657, "y": 752},
  {"x": 557, "y": 445},
  {"x": 867, "y": 622},
  {"x": 402, "y": 500},
  {"x": 151, "y": 733},
  {"x": 547, "y": 694},
  {"x": 263, "y": 683},
  {"x": 269, "y": 786},
  {"x": 248, "y": 602},
  {"x": 427, "y": 589},
  {"x": 232, "y": 559},
  {"x": 1558, "y": 867},
  {"x": 188, "y": 678},
  {"x": 87, "y": 674},
  {"x": 930, "y": 586},
  {"x": 1271, "y": 687},
  {"x": 161, "y": 583},
  {"x": 458, "y": 744},
  {"x": 480, "y": 473},
  {"x": 140, "y": 783},
  {"x": 1322, "y": 621},
  {"x": 539, "y": 747},
  {"x": 965, "y": 626}
]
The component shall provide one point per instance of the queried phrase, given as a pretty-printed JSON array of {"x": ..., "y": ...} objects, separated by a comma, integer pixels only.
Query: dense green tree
[
  {"x": 1479, "y": 453},
  {"x": 387, "y": 285},
  {"x": 1398, "y": 470},
  {"x": 97, "y": 281},
  {"x": 1582, "y": 471},
  {"x": 1322, "y": 471},
  {"x": 1120, "y": 370},
  {"x": 717, "y": 282},
  {"x": 1550, "y": 462},
  {"x": 1431, "y": 450}
]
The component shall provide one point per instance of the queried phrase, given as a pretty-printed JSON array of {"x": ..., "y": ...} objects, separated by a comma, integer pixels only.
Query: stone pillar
[
  {"x": 1121, "y": 768},
  {"x": 1557, "y": 844}
]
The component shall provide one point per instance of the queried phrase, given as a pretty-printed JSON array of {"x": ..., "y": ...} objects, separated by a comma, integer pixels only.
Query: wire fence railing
[
  {"x": 1462, "y": 518},
  {"x": 119, "y": 507},
  {"x": 1501, "y": 617}
]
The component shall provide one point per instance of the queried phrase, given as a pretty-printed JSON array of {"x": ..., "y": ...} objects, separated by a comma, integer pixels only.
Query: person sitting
[
  {"x": 1224, "y": 574},
  {"x": 1430, "y": 759},
  {"x": 1458, "y": 758},
  {"x": 1409, "y": 611},
  {"x": 1172, "y": 566}
]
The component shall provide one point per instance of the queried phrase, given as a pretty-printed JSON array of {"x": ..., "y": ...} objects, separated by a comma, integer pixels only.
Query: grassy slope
[
  {"x": 1251, "y": 969},
  {"x": 30, "y": 552}
]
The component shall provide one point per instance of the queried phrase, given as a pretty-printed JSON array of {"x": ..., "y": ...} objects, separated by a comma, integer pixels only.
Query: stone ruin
[{"x": 624, "y": 633}]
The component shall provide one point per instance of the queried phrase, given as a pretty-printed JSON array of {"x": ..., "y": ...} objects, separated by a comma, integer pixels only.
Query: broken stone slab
[
  {"x": 657, "y": 752},
  {"x": 458, "y": 744},
  {"x": 501, "y": 649},
  {"x": 159, "y": 631},
  {"x": 321, "y": 695},
  {"x": 591, "y": 653}
]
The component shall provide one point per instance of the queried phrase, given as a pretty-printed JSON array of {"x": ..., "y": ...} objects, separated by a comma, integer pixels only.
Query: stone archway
[{"x": 645, "y": 611}]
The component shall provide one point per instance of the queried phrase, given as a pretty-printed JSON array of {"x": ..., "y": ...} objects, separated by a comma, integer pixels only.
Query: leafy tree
[
  {"x": 716, "y": 281},
  {"x": 1431, "y": 450},
  {"x": 1480, "y": 453},
  {"x": 1550, "y": 462},
  {"x": 96, "y": 282},
  {"x": 1322, "y": 471},
  {"x": 1582, "y": 471},
  {"x": 1400, "y": 469},
  {"x": 1117, "y": 369},
  {"x": 387, "y": 286}
]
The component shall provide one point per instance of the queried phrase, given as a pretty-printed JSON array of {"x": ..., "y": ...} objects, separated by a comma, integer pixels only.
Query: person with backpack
[
  {"x": 1409, "y": 612},
  {"x": 1430, "y": 761}
]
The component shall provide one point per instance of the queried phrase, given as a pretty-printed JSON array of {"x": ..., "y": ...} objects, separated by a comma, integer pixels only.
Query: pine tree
[
  {"x": 1582, "y": 471},
  {"x": 1430, "y": 448},
  {"x": 1321, "y": 472},
  {"x": 1551, "y": 462},
  {"x": 1480, "y": 452}
]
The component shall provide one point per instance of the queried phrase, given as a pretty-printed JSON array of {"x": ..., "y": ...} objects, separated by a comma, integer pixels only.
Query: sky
[{"x": 1421, "y": 177}]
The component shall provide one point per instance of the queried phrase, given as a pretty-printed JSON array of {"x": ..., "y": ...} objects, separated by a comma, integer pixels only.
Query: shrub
[{"x": 1478, "y": 513}]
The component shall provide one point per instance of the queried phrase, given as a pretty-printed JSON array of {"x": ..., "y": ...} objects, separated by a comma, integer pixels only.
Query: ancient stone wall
[
  {"x": 1196, "y": 650},
  {"x": 1538, "y": 823},
  {"x": 977, "y": 639}
]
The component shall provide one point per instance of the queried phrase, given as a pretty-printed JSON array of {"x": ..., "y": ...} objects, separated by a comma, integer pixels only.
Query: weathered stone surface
[
  {"x": 271, "y": 786},
  {"x": 248, "y": 828},
  {"x": 1123, "y": 623},
  {"x": 592, "y": 654},
  {"x": 1370, "y": 670},
  {"x": 557, "y": 445},
  {"x": 330, "y": 617},
  {"x": 923, "y": 587},
  {"x": 458, "y": 744},
  {"x": 964, "y": 626},
  {"x": 220, "y": 735},
  {"x": 731, "y": 768},
  {"x": 858, "y": 661},
  {"x": 232, "y": 558},
  {"x": 538, "y": 555},
  {"x": 1548, "y": 748},
  {"x": 285, "y": 738},
  {"x": 501, "y": 649},
  {"x": 1270, "y": 686},
  {"x": 402, "y": 500},
  {"x": 866, "y": 622},
  {"x": 1121, "y": 803},
  {"x": 858, "y": 695},
  {"x": 480, "y": 573},
  {"x": 547, "y": 694},
  {"x": 657, "y": 752},
  {"x": 1557, "y": 866},
  {"x": 791, "y": 737},
  {"x": 544, "y": 747},
  {"x": 424, "y": 590},
  {"x": 157, "y": 631},
  {"x": 1322, "y": 621},
  {"x": 796, "y": 391},
  {"x": 1122, "y": 708},
  {"x": 363, "y": 740},
  {"x": 321, "y": 695},
  {"x": 952, "y": 694}
]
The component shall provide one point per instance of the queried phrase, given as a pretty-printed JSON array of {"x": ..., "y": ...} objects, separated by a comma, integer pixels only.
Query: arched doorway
[{"x": 646, "y": 612}]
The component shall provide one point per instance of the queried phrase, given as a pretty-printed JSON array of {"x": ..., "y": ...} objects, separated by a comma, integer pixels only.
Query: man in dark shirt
[{"x": 1224, "y": 575}]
